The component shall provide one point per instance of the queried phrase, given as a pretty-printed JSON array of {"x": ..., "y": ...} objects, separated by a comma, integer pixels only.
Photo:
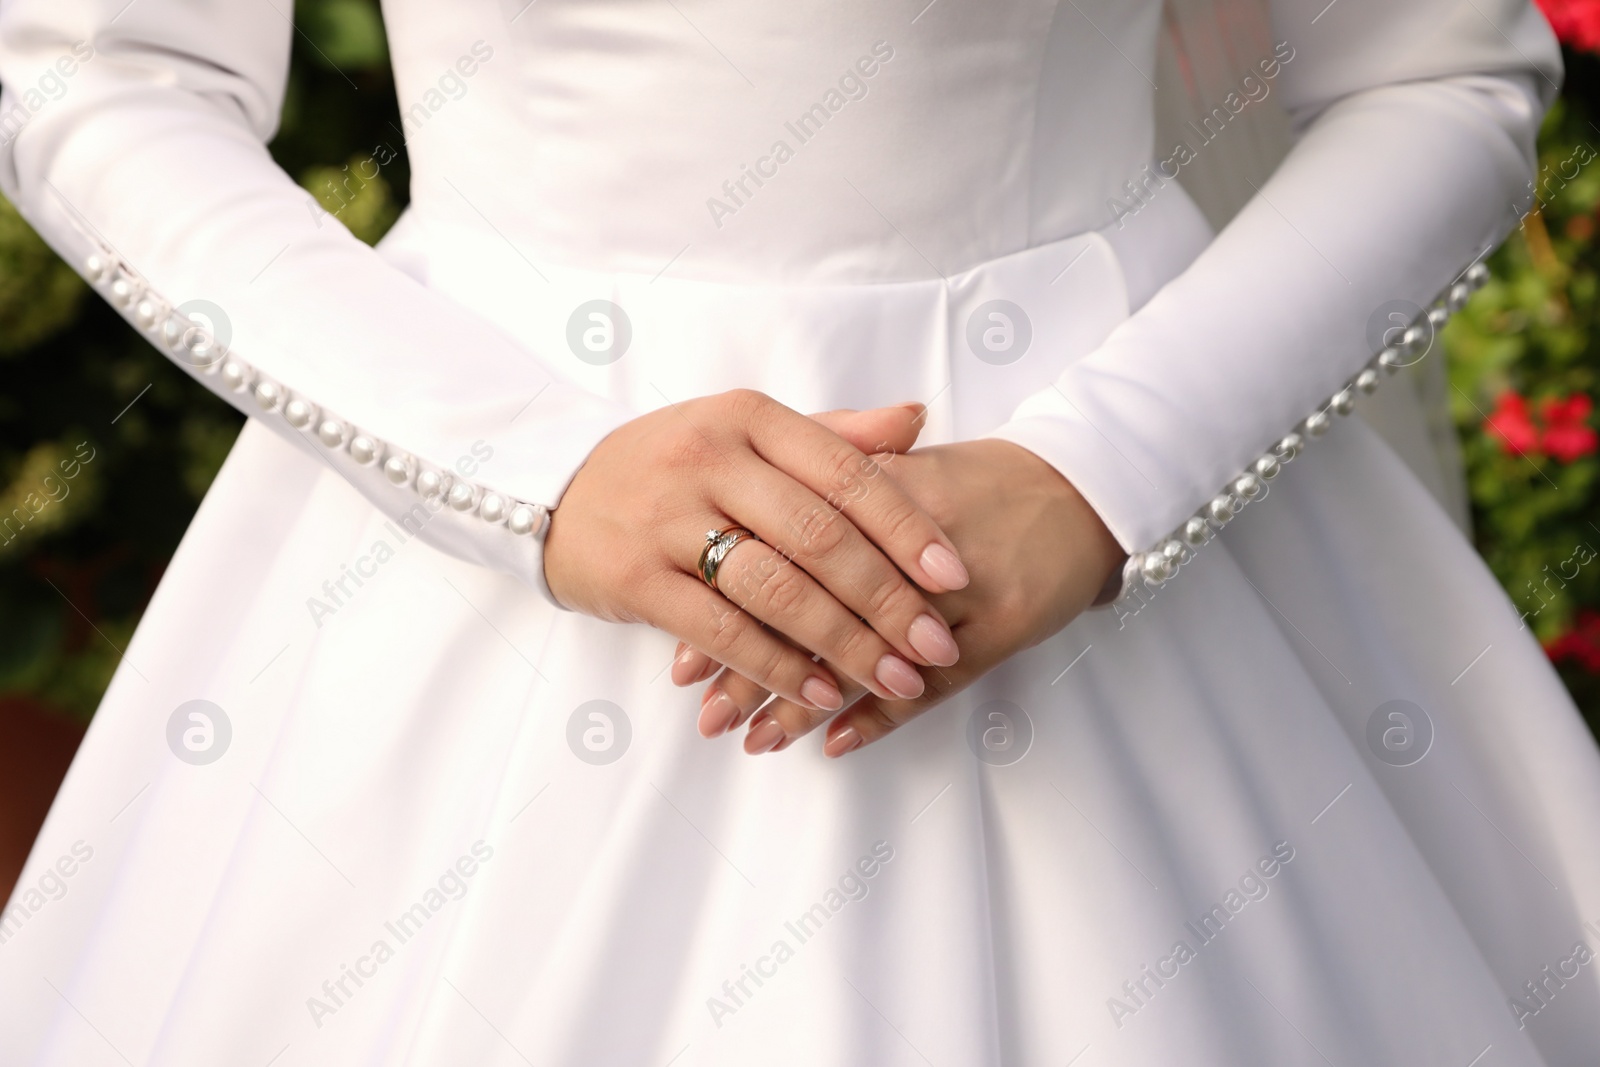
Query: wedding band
[{"x": 718, "y": 544}]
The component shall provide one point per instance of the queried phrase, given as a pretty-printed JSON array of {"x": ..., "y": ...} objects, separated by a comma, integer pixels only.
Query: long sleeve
[
  {"x": 1415, "y": 124},
  {"x": 133, "y": 140}
]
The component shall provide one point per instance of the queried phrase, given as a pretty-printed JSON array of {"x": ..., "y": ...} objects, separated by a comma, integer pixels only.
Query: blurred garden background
[{"x": 81, "y": 556}]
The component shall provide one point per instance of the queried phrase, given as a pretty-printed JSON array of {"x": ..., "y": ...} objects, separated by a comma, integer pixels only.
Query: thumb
[{"x": 892, "y": 429}]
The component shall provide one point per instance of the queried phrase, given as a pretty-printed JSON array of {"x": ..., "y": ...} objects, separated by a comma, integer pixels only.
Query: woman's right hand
[{"x": 838, "y": 540}]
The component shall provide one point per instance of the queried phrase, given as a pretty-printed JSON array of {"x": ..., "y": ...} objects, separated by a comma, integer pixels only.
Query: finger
[
  {"x": 728, "y": 703},
  {"x": 797, "y": 721},
  {"x": 691, "y": 666},
  {"x": 848, "y": 481},
  {"x": 870, "y": 718},
  {"x": 891, "y": 429},
  {"x": 800, "y": 528},
  {"x": 776, "y": 591},
  {"x": 704, "y": 618}
]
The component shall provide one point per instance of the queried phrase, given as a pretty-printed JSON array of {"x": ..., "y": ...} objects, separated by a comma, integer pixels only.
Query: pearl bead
[
  {"x": 268, "y": 395},
  {"x": 430, "y": 483},
  {"x": 492, "y": 508},
  {"x": 146, "y": 313},
  {"x": 172, "y": 330},
  {"x": 364, "y": 449},
  {"x": 1290, "y": 447},
  {"x": 1391, "y": 360},
  {"x": 1343, "y": 402},
  {"x": 525, "y": 519},
  {"x": 123, "y": 293},
  {"x": 1220, "y": 510},
  {"x": 397, "y": 468},
  {"x": 1416, "y": 340},
  {"x": 1477, "y": 276},
  {"x": 1248, "y": 486},
  {"x": 95, "y": 268},
  {"x": 1175, "y": 552},
  {"x": 1366, "y": 381},
  {"x": 1267, "y": 468},
  {"x": 1197, "y": 531},
  {"x": 1317, "y": 423},
  {"x": 332, "y": 433},
  {"x": 1460, "y": 293},
  {"x": 1155, "y": 569},
  {"x": 1437, "y": 317},
  {"x": 298, "y": 413},
  {"x": 235, "y": 375},
  {"x": 463, "y": 497}
]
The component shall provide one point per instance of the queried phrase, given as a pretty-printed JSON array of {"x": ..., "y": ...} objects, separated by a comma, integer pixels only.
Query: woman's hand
[
  {"x": 836, "y": 535},
  {"x": 1038, "y": 555}
]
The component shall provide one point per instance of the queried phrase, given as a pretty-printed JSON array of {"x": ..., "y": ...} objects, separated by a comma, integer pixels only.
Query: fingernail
[
  {"x": 680, "y": 663},
  {"x": 717, "y": 714},
  {"x": 943, "y": 567},
  {"x": 930, "y": 637},
  {"x": 912, "y": 405},
  {"x": 899, "y": 677},
  {"x": 821, "y": 694},
  {"x": 846, "y": 740},
  {"x": 763, "y": 738}
]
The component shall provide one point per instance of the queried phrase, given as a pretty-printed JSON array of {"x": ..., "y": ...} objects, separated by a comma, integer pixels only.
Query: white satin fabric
[{"x": 420, "y": 747}]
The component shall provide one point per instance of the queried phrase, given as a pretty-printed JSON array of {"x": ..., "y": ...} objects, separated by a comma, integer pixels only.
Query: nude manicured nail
[
  {"x": 763, "y": 738},
  {"x": 821, "y": 694},
  {"x": 899, "y": 677},
  {"x": 717, "y": 714},
  {"x": 930, "y": 637},
  {"x": 943, "y": 567},
  {"x": 846, "y": 740}
]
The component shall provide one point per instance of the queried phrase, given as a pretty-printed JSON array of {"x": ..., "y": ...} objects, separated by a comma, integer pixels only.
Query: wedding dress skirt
[{"x": 1320, "y": 800}]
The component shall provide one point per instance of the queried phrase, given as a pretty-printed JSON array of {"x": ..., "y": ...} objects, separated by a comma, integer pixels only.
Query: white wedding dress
[{"x": 1320, "y": 800}]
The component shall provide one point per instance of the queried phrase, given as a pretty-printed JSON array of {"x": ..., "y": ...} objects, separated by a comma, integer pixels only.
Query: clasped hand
[{"x": 823, "y": 618}]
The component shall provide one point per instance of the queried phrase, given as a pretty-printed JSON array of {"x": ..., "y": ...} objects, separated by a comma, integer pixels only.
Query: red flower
[
  {"x": 1575, "y": 22},
  {"x": 1567, "y": 434},
  {"x": 1510, "y": 423},
  {"x": 1581, "y": 644}
]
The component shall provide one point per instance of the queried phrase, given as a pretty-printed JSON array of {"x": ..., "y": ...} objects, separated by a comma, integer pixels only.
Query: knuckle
[
  {"x": 892, "y": 598},
  {"x": 859, "y": 647},
  {"x": 745, "y": 405},
  {"x": 820, "y": 532},
  {"x": 784, "y": 592},
  {"x": 729, "y": 631}
]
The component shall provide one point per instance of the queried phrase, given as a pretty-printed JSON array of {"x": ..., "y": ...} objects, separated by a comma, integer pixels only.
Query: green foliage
[
  {"x": 80, "y": 555},
  {"x": 1530, "y": 334}
]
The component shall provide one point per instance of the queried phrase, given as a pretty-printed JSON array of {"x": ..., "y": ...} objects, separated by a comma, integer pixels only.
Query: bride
[{"x": 428, "y": 748}]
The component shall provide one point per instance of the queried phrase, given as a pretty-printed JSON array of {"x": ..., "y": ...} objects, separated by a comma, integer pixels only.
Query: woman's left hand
[{"x": 1037, "y": 554}]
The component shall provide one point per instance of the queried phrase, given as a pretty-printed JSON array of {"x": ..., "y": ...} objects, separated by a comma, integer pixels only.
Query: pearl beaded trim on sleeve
[
  {"x": 193, "y": 344},
  {"x": 1147, "y": 571}
]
